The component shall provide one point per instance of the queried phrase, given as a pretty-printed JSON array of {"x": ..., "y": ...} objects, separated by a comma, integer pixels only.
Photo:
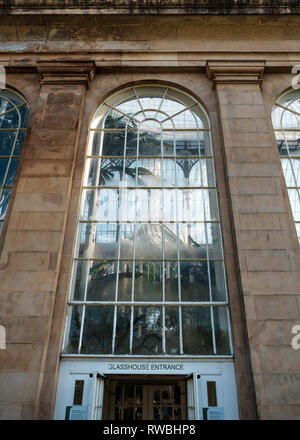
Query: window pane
[
  {"x": 197, "y": 332},
  {"x": 148, "y": 282},
  {"x": 101, "y": 205},
  {"x": 148, "y": 241},
  {"x": 127, "y": 240},
  {"x": 217, "y": 280},
  {"x": 170, "y": 172},
  {"x": 106, "y": 241},
  {"x": 102, "y": 281},
  {"x": 296, "y": 169},
  {"x": 78, "y": 392},
  {"x": 80, "y": 275},
  {"x": 211, "y": 205},
  {"x": 75, "y": 317},
  {"x": 3, "y": 168},
  {"x": 125, "y": 281},
  {"x": 123, "y": 330},
  {"x": 294, "y": 196},
  {"x": 214, "y": 240},
  {"x": 290, "y": 121},
  {"x": 95, "y": 143},
  {"x": 111, "y": 172},
  {"x": 288, "y": 143},
  {"x": 171, "y": 107},
  {"x": 10, "y": 119},
  {"x": 207, "y": 172},
  {"x": 114, "y": 142},
  {"x": 147, "y": 331},
  {"x": 5, "y": 105},
  {"x": 85, "y": 235},
  {"x": 190, "y": 205},
  {"x": 19, "y": 144},
  {"x": 211, "y": 394},
  {"x": 129, "y": 173},
  {"x": 171, "y": 281},
  {"x": 185, "y": 120},
  {"x": 221, "y": 330},
  {"x": 188, "y": 172},
  {"x": 290, "y": 166},
  {"x": 172, "y": 330},
  {"x": 129, "y": 107},
  {"x": 148, "y": 205},
  {"x": 150, "y": 139},
  {"x": 169, "y": 198},
  {"x": 24, "y": 113},
  {"x": 116, "y": 120},
  {"x": 97, "y": 330},
  {"x": 7, "y": 139},
  {"x": 297, "y": 230},
  {"x": 192, "y": 240},
  {"x": 187, "y": 143},
  {"x": 4, "y": 203},
  {"x": 169, "y": 143},
  {"x": 149, "y": 172},
  {"x": 170, "y": 240},
  {"x": 194, "y": 281},
  {"x": 281, "y": 144},
  {"x": 12, "y": 172}
]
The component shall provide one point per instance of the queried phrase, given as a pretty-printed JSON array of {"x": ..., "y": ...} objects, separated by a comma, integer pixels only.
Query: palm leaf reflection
[
  {"x": 112, "y": 166},
  {"x": 128, "y": 135},
  {"x": 114, "y": 146}
]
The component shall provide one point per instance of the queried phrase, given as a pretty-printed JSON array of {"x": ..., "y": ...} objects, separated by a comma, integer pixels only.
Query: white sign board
[
  {"x": 78, "y": 412},
  {"x": 215, "y": 413}
]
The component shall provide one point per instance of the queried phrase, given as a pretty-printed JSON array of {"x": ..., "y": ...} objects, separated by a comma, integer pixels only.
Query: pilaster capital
[
  {"x": 235, "y": 72},
  {"x": 67, "y": 72}
]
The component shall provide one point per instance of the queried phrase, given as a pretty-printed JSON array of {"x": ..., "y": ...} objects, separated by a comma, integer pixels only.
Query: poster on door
[{"x": 213, "y": 413}]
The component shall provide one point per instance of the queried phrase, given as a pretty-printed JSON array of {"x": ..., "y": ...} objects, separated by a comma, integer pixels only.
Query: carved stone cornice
[
  {"x": 235, "y": 72},
  {"x": 190, "y": 7},
  {"x": 56, "y": 72}
]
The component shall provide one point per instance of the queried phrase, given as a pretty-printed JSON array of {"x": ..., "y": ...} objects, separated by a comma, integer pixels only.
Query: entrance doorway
[{"x": 146, "y": 400}]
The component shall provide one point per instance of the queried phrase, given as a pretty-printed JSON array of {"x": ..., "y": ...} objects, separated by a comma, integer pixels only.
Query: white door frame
[{"x": 200, "y": 371}]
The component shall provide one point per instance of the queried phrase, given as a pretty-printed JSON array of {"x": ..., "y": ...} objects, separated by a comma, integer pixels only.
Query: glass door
[
  {"x": 130, "y": 401},
  {"x": 166, "y": 402}
]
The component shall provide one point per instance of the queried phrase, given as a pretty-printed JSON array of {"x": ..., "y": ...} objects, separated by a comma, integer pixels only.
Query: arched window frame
[
  {"x": 10, "y": 152},
  {"x": 286, "y": 124},
  {"x": 78, "y": 306}
]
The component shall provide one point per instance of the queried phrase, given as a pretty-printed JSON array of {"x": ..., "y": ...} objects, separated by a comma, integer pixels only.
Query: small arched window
[
  {"x": 148, "y": 270},
  {"x": 286, "y": 123},
  {"x": 14, "y": 115}
]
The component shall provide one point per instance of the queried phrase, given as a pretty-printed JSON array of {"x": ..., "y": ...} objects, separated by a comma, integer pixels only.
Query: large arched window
[
  {"x": 14, "y": 115},
  {"x": 148, "y": 271},
  {"x": 286, "y": 123}
]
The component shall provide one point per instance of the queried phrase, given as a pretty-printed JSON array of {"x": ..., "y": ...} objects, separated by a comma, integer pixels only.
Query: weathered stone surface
[
  {"x": 157, "y": 6},
  {"x": 20, "y": 357},
  {"x": 20, "y": 387},
  {"x": 267, "y": 252},
  {"x": 282, "y": 389},
  {"x": 32, "y": 245},
  {"x": 276, "y": 307}
]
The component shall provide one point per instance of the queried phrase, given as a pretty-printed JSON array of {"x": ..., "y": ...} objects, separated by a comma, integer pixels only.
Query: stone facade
[{"x": 236, "y": 67}]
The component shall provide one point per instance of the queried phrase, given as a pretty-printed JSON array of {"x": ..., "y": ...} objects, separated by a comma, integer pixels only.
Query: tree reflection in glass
[{"x": 147, "y": 331}]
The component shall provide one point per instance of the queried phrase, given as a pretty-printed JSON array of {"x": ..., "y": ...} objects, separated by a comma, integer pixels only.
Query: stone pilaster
[
  {"x": 266, "y": 244},
  {"x": 32, "y": 248}
]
